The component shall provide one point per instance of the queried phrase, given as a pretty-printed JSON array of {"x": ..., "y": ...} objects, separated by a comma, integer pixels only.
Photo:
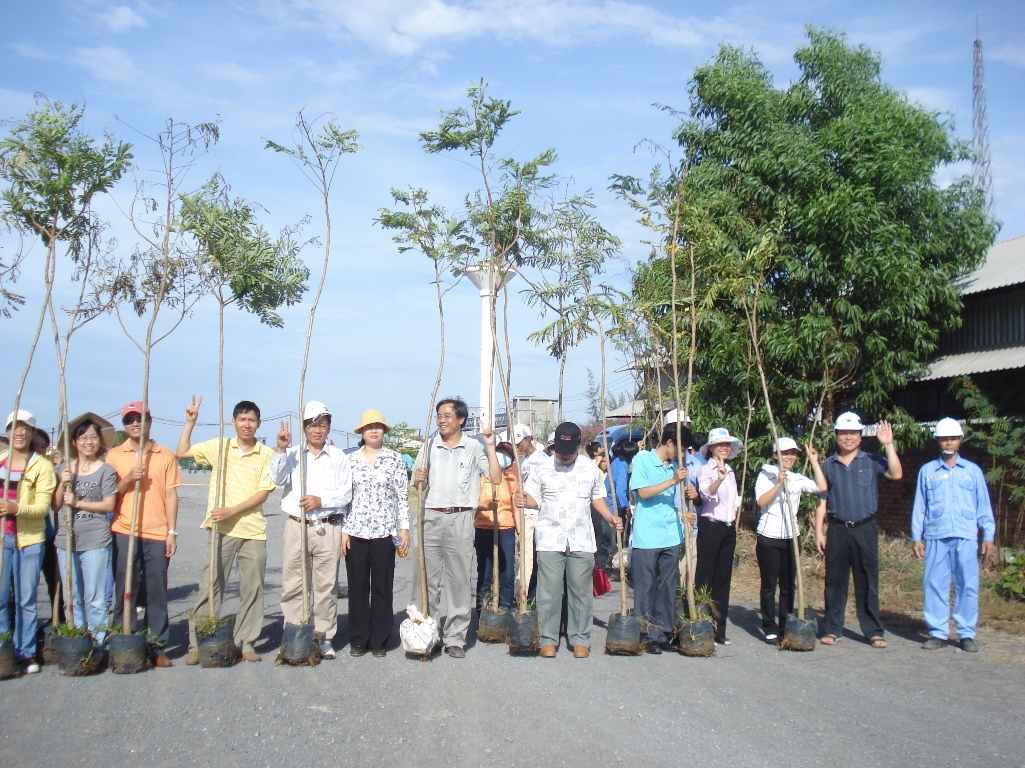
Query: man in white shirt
[
  {"x": 451, "y": 465},
  {"x": 567, "y": 484},
  {"x": 328, "y": 491}
]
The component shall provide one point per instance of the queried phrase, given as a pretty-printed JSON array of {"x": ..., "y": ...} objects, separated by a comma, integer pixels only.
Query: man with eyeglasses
[
  {"x": 321, "y": 508},
  {"x": 156, "y": 539}
]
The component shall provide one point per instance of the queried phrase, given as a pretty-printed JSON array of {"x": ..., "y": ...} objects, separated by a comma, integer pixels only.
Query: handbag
[{"x": 600, "y": 581}]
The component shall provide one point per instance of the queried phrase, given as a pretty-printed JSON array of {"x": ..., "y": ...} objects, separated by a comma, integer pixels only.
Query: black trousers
[
  {"x": 716, "y": 544},
  {"x": 852, "y": 550},
  {"x": 149, "y": 575},
  {"x": 370, "y": 569},
  {"x": 778, "y": 569}
]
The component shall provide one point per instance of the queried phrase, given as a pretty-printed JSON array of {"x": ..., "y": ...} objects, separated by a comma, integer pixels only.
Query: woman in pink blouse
[
  {"x": 717, "y": 525},
  {"x": 379, "y": 513}
]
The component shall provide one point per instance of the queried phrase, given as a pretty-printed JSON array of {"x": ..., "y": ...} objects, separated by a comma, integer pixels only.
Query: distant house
[{"x": 990, "y": 344}]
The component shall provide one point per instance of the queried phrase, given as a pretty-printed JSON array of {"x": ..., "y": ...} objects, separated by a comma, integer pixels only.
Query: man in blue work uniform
[{"x": 951, "y": 505}]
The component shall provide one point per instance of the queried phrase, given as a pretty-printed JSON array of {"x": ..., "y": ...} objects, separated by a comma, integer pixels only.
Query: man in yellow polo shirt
[{"x": 238, "y": 518}]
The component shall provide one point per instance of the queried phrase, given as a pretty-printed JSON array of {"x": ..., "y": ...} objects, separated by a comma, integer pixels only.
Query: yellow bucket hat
[{"x": 371, "y": 416}]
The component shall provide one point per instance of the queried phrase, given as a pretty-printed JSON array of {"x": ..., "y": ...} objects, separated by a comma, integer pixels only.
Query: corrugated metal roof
[
  {"x": 1004, "y": 266},
  {"x": 975, "y": 362}
]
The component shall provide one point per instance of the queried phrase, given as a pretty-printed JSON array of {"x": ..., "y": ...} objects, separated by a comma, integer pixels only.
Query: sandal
[
  {"x": 877, "y": 642},
  {"x": 829, "y": 639}
]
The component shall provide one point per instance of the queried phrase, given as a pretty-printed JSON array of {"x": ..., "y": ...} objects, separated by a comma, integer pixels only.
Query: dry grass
[{"x": 900, "y": 586}]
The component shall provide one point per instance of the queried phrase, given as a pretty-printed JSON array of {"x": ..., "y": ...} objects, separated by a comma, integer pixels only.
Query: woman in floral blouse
[{"x": 379, "y": 512}]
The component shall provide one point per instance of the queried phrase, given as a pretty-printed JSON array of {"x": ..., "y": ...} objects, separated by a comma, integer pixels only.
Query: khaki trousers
[
  {"x": 324, "y": 554},
  {"x": 448, "y": 554},
  {"x": 527, "y": 548},
  {"x": 252, "y": 566}
]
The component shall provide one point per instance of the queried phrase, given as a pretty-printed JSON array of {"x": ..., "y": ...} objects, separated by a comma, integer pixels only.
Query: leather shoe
[
  {"x": 547, "y": 651},
  {"x": 581, "y": 651},
  {"x": 666, "y": 645},
  {"x": 455, "y": 652},
  {"x": 250, "y": 656},
  {"x": 192, "y": 659},
  {"x": 161, "y": 660},
  {"x": 653, "y": 648}
]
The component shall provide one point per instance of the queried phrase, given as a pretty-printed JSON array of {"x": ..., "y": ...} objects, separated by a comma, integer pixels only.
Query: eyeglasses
[
  {"x": 317, "y": 425},
  {"x": 132, "y": 418}
]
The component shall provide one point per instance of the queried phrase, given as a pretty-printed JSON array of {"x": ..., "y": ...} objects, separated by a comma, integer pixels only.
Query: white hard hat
[
  {"x": 314, "y": 409},
  {"x": 849, "y": 420},
  {"x": 947, "y": 427}
]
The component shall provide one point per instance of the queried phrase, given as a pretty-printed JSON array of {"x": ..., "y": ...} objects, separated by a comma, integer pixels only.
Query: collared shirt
[
  {"x": 952, "y": 502},
  {"x": 380, "y": 501},
  {"x": 724, "y": 503},
  {"x": 328, "y": 475},
  {"x": 453, "y": 472},
  {"x": 774, "y": 522},
  {"x": 529, "y": 465},
  {"x": 618, "y": 475},
  {"x": 854, "y": 490},
  {"x": 161, "y": 475},
  {"x": 564, "y": 495},
  {"x": 245, "y": 475},
  {"x": 656, "y": 524}
]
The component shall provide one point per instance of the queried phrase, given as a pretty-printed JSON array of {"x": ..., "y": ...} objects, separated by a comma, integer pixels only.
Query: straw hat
[
  {"x": 107, "y": 431},
  {"x": 721, "y": 435},
  {"x": 371, "y": 416}
]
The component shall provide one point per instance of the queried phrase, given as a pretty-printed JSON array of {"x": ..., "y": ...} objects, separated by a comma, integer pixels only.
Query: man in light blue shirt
[
  {"x": 951, "y": 505},
  {"x": 656, "y": 537}
]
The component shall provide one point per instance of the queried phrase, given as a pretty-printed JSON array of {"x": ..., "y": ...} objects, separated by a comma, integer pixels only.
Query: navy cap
[{"x": 567, "y": 438}]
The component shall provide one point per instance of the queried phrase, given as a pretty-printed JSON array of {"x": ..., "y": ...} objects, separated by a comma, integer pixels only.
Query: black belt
[
  {"x": 708, "y": 519},
  {"x": 330, "y": 519},
  {"x": 450, "y": 510},
  {"x": 852, "y": 523}
]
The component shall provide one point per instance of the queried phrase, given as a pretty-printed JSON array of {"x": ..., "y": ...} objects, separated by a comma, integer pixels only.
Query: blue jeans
[
  {"x": 22, "y": 567},
  {"x": 89, "y": 578},
  {"x": 484, "y": 543}
]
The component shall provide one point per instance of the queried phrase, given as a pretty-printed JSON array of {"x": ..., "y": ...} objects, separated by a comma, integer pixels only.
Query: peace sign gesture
[
  {"x": 284, "y": 437},
  {"x": 192, "y": 410}
]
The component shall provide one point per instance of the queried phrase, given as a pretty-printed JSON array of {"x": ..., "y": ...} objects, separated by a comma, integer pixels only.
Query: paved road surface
[{"x": 751, "y": 705}]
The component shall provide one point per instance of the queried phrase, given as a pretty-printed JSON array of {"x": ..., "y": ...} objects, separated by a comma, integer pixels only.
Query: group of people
[{"x": 355, "y": 506}]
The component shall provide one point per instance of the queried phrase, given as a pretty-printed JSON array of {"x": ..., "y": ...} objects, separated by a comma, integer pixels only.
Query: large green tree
[{"x": 840, "y": 170}]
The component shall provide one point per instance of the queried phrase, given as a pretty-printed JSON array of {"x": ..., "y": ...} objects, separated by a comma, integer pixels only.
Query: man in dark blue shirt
[{"x": 852, "y": 541}]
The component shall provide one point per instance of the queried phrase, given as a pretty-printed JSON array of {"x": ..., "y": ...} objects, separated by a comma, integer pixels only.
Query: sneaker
[
  {"x": 772, "y": 638},
  {"x": 31, "y": 667},
  {"x": 933, "y": 644},
  {"x": 326, "y": 651},
  {"x": 192, "y": 659},
  {"x": 250, "y": 656},
  {"x": 968, "y": 645}
]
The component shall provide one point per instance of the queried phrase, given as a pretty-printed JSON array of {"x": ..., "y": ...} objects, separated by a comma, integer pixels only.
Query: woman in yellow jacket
[{"x": 23, "y": 514}]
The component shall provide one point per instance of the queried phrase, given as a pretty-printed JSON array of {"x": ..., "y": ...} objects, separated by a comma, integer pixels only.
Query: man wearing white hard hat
[
  {"x": 851, "y": 544},
  {"x": 951, "y": 506},
  {"x": 322, "y": 508}
]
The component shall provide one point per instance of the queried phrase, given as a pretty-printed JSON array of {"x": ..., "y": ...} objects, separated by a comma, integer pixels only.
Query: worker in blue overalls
[{"x": 951, "y": 505}]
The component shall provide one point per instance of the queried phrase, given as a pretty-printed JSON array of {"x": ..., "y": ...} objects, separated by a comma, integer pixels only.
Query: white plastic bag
[{"x": 419, "y": 633}]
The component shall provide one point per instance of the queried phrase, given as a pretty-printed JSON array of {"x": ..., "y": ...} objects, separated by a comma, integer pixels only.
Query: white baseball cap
[
  {"x": 947, "y": 427},
  {"x": 314, "y": 409},
  {"x": 785, "y": 444},
  {"x": 521, "y": 431},
  {"x": 23, "y": 416},
  {"x": 849, "y": 420}
]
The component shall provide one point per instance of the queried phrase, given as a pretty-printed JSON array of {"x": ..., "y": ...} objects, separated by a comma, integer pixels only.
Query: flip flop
[
  {"x": 877, "y": 642},
  {"x": 829, "y": 639}
]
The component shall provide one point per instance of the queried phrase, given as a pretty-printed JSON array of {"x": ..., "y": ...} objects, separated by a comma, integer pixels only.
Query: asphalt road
[{"x": 750, "y": 705}]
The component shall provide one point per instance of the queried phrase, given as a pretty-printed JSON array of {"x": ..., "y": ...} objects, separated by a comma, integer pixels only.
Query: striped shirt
[{"x": 246, "y": 473}]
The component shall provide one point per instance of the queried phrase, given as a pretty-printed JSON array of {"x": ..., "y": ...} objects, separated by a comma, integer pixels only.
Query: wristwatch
[{"x": 172, "y": 533}]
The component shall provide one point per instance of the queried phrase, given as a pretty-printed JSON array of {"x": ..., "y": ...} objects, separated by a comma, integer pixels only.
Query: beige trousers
[
  {"x": 252, "y": 564},
  {"x": 324, "y": 554},
  {"x": 529, "y": 521}
]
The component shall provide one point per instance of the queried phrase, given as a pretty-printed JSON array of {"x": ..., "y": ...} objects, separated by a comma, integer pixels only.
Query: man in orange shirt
[{"x": 156, "y": 539}]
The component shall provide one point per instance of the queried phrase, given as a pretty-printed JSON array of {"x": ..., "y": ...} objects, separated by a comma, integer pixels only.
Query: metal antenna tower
[{"x": 980, "y": 135}]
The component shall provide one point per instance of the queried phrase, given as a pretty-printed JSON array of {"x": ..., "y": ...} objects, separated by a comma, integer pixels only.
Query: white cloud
[
  {"x": 1010, "y": 54},
  {"x": 106, "y": 63},
  {"x": 409, "y": 27},
  {"x": 121, "y": 18},
  {"x": 29, "y": 51},
  {"x": 232, "y": 72}
]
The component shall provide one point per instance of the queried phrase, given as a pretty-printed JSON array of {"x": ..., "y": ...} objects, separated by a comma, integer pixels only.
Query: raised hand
[
  {"x": 192, "y": 410},
  {"x": 488, "y": 434},
  {"x": 284, "y": 437},
  {"x": 884, "y": 432},
  {"x": 813, "y": 455}
]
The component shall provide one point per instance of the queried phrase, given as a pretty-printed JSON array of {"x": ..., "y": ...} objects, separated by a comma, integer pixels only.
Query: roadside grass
[{"x": 900, "y": 586}]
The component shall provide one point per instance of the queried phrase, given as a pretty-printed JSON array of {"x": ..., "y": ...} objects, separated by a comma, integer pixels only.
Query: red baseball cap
[{"x": 133, "y": 407}]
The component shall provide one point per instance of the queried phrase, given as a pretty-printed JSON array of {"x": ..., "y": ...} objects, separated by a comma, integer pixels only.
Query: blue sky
[{"x": 584, "y": 75}]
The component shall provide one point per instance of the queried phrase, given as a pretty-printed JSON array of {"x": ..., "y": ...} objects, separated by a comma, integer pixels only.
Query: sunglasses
[{"x": 132, "y": 418}]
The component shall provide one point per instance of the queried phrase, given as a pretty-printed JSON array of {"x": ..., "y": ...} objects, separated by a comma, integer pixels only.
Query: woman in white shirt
[
  {"x": 775, "y": 549},
  {"x": 376, "y": 526}
]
